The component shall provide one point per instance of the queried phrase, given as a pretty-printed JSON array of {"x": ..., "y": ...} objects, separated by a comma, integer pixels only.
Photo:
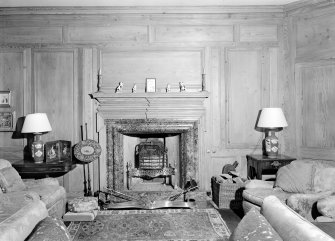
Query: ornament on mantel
[
  {"x": 203, "y": 80},
  {"x": 99, "y": 80},
  {"x": 119, "y": 87},
  {"x": 182, "y": 86},
  {"x": 168, "y": 88},
  {"x": 133, "y": 90}
]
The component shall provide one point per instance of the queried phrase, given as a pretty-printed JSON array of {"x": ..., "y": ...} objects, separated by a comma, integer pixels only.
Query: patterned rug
[{"x": 159, "y": 224}]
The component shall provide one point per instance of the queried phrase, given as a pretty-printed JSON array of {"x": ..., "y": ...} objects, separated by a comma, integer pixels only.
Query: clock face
[{"x": 87, "y": 151}]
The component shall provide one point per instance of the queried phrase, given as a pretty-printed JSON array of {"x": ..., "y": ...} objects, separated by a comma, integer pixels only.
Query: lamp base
[
  {"x": 37, "y": 149},
  {"x": 271, "y": 145}
]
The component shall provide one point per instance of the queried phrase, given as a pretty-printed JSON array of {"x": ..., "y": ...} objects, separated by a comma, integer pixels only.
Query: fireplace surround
[{"x": 117, "y": 128}]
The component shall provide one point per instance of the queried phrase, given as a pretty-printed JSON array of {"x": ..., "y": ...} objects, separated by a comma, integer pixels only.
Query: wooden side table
[
  {"x": 257, "y": 164},
  {"x": 29, "y": 169}
]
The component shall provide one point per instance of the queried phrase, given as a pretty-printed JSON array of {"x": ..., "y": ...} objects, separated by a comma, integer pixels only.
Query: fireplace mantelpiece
[{"x": 171, "y": 105}]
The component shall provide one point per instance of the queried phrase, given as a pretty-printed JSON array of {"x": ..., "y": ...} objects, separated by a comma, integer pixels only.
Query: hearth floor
[
  {"x": 154, "y": 186},
  {"x": 231, "y": 217}
]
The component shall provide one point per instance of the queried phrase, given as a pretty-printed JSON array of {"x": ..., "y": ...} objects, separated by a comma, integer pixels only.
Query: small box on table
[{"x": 59, "y": 150}]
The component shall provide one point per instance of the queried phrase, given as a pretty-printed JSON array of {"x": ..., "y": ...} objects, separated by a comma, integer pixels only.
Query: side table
[
  {"x": 257, "y": 164},
  {"x": 29, "y": 169}
]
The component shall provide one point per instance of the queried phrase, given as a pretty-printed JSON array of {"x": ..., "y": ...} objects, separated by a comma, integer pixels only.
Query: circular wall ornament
[{"x": 87, "y": 151}]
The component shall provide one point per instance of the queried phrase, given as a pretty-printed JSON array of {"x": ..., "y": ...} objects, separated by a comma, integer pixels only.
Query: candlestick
[
  {"x": 203, "y": 79},
  {"x": 99, "y": 79}
]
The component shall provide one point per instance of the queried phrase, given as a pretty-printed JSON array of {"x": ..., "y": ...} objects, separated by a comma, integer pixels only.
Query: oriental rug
[{"x": 159, "y": 224}]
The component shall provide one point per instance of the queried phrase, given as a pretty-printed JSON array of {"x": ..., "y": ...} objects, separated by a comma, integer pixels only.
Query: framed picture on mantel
[{"x": 150, "y": 85}]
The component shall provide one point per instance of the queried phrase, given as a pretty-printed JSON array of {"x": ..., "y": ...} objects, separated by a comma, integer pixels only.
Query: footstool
[{"x": 82, "y": 209}]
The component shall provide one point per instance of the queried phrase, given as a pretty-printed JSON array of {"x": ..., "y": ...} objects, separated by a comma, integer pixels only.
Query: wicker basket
[{"x": 227, "y": 195}]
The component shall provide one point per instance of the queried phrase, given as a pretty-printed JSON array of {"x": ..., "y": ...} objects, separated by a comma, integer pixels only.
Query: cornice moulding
[{"x": 141, "y": 10}]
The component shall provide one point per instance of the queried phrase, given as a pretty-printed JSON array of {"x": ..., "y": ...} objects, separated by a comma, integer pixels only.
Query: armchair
[
  {"x": 47, "y": 190},
  {"x": 27, "y": 206},
  {"x": 302, "y": 185}
]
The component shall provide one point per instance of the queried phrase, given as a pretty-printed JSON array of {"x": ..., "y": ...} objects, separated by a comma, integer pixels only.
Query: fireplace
[
  {"x": 117, "y": 130},
  {"x": 174, "y": 115}
]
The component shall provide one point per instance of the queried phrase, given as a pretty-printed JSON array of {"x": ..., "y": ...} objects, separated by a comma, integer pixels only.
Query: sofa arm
[
  {"x": 290, "y": 225},
  {"x": 255, "y": 183},
  {"x": 43, "y": 181},
  {"x": 306, "y": 204},
  {"x": 50, "y": 228}
]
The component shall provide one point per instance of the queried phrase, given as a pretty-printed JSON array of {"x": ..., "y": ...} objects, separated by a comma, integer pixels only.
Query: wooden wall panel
[
  {"x": 55, "y": 81},
  {"x": 244, "y": 91},
  {"x": 54, "y": 87},
  {"x": 31, "y": 35},
  {"x": 255, "y": 33},
  {"x": 12, "y": 76},
  {"x": 315, "y": 36},
  {"x": 166, "y": 66},
  {"x": 107, "y": 34},
  {"x": 318, "y": 106},
  {"x": 193, "y": 33}
]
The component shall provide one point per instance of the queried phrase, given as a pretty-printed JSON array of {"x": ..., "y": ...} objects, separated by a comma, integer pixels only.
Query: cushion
[
  {"x": 43, "y": 181},
  {"x": 49, "y": 194},
  {"x": 50, "y": 229},
  {"x": 255, "y": 183},
  {"x": 4, "y": 163},
  {"x": 254, "y": 227},
  {"x": 76, "y": 217},
  {"x": 324, "y": 179},
  {"x": 83, "y": 204},
  {"x": 289, "y": 224},
  {"x": 305, "y": 204},
  {"x": 10, "y": 180},
  {"x": 295, "y": 177},
  {"x": 326, "y": 206}
]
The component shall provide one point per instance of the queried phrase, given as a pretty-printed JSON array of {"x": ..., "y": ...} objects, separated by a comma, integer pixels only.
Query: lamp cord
[{"x": 257, "y": 144}]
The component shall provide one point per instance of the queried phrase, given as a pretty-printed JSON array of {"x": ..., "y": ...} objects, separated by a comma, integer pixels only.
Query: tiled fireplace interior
[{"x": 120, "y": 131}]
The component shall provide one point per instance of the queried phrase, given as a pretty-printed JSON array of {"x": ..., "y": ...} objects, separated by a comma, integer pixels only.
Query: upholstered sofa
[
  {"x": 28, "y": 205},
  {"x": 304, "y": 185},
  {"x": 276, "y": 221}
]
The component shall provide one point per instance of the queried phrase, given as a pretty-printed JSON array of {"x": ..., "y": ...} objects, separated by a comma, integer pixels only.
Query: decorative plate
[{"x": 87, "y": 151}]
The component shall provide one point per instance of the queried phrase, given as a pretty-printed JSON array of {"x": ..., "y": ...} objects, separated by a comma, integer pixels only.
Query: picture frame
[
  {"x": 7, "y": 120},
  {"x": 5, "y": 98},
  {"x": 150, "y": 85}
]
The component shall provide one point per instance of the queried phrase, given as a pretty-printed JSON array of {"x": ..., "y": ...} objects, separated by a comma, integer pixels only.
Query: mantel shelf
[{"x": 108, "y": 95}]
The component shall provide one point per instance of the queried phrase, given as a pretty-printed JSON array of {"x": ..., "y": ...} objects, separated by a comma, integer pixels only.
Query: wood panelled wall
[
  {"x": 311, "y": 77},
  {"x": 50, "y": 58}
]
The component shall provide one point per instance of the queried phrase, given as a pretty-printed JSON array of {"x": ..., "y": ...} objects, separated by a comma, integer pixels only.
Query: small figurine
[
  {"x": 134, "y": 88},
  {"x": 182, "y": 86},
  {"x": 168, "y": 88},
  {"x": 119, "y": 87}
]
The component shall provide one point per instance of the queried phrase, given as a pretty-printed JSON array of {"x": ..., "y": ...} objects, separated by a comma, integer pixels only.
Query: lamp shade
[
  {"x": 272, "y": 118},
  {"x": 36, "y": 123}
]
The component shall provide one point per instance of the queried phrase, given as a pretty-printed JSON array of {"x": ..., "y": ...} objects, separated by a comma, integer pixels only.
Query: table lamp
[
  {"x": 37, "y": 123},
  {"x": 272, "y": 120}
]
